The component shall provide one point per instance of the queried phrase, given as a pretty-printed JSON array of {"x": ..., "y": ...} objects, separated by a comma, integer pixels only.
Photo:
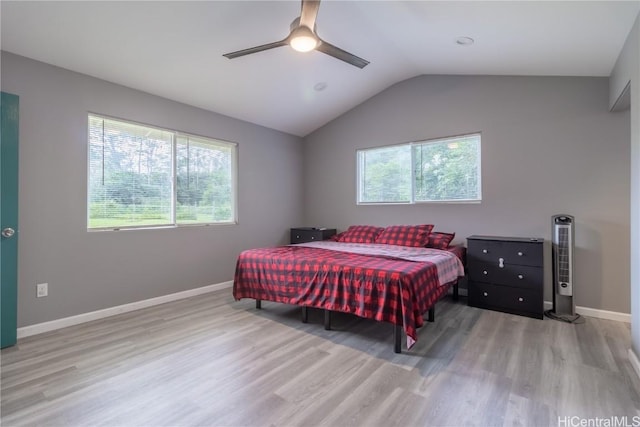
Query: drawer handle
[
  {"x": 501, "y": 262},
  {"x": 485, "y": 294},
  {"x": 520, "y": 276},
  {"x": 297, "y": 237},
  {"x": 520, "y": 299},
  {"x": 485, "y": 272},
  {"x": 484, "y": 251},
  {"x": 520, "y": 254},
  {"x": 313, "y": 238}
]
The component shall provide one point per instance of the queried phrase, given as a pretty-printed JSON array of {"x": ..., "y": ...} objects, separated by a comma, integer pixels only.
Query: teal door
[{"x": 8, "y": 219}]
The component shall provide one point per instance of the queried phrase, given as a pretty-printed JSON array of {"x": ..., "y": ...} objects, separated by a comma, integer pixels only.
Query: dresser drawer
[
  {"x": 511, "y": 252},
  {"x": 521, "y": 276},
  {"x": 307, "y": 234},
  {"x": 506, "y": 298}
]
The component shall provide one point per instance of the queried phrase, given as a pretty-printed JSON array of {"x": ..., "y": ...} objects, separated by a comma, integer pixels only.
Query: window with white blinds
[
  {"x": 141, "y": 176},
  {"x": 438, "y": 170}
]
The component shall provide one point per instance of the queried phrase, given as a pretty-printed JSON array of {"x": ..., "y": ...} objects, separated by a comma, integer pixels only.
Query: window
[
  {"x": 141, "y": 176},
  {"x": 439, "y": 170}
]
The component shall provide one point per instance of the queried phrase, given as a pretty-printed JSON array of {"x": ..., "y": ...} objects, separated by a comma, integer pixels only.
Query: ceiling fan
[{"x": 303, "y": 38}]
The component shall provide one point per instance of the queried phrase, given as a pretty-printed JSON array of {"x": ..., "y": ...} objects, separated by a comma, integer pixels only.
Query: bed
[{"x": 380, "y": 281}]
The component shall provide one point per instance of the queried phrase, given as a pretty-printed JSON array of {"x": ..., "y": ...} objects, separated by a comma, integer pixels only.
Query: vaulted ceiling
[{"x": 174, "y": 49}]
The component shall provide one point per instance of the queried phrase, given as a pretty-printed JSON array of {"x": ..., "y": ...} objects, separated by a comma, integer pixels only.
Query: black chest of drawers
[
  {"x": 310, "y": 234},
  {"x": 506, "y": 274}
]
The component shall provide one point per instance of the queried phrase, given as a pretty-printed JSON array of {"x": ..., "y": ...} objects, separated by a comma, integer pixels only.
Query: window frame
[
  {"x": 412, "y": 193},
  {"x": 175, "y": 134}
]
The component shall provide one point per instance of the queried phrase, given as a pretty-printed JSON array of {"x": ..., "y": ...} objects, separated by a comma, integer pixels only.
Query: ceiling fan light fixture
[{"x": 303, "y": 39}]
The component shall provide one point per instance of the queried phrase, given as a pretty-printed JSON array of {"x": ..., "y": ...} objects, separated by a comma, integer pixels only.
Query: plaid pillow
[
  {"x": 406, "y": 235},
  {"x": 360, "y": 234},
  {"x": 336, "y": 237},
  {"x": 440, "y": 240}
]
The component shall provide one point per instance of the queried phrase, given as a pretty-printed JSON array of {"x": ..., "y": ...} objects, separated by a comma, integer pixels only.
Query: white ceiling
[{"x": 174, "y": 49}]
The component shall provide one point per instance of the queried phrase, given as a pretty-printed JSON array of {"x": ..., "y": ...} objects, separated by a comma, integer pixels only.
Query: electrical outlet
[{"x": 42, "y": 290}]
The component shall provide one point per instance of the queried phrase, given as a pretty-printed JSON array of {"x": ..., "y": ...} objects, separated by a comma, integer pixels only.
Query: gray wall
[
  {"x": 549, "y": 146},
  {"x": 627, "y": 70},
  {"x": 88, "y": 271},
  {"x": 625, "y": 67}
]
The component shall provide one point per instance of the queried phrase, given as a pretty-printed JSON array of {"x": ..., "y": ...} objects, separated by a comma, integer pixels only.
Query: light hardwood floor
[{"x": 210, "y": 360}]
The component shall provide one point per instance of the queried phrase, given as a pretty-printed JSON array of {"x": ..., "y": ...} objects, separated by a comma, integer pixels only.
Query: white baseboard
[
  {"x": 39, "y": 328},
  {"x": 633, "y": 358},
  {"x": 597, "y": 313}
]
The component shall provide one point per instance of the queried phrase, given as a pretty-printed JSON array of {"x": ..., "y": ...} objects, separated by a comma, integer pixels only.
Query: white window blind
[
  {"x": 204, "y": 180},
  {"x": 447, "y": 169},
  {"x": 438, "y": 170},
  {"x": 385, "y": 174},
  {"x": 133, "y": 168}
]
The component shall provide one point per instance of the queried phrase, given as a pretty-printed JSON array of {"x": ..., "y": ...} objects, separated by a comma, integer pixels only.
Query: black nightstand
[
  {"x": 506, "y": 274},
  {"x": 310, "y": 234}
]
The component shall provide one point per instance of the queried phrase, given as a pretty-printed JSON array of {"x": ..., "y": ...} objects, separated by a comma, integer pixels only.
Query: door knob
[{"x": 8, "y": 232}]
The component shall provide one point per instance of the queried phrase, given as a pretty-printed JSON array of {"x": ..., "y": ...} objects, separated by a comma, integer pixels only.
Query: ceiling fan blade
[
  {"x": 255, "y": 49},
  {"x": 343, "y": 55},
  {"x": 309, "y": 13}
]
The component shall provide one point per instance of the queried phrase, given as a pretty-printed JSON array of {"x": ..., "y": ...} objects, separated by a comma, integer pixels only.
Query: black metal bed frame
[{"x": 397, "y": 329}]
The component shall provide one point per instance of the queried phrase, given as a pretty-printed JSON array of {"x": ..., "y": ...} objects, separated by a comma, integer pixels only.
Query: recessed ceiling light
[
  {"x": 319, "y": 87},
  {"x": 464, "y": 41}
]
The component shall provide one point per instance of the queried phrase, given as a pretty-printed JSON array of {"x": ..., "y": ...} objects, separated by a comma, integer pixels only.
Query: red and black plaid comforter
[{"x": 364, "y": 285}]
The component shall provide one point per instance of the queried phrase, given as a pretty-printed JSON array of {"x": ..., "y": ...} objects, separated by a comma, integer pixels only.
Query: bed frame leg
[
  {"x": 258, "y": 304},
  {"x": 455, "y": 292},
  {"x": 432, "y": 315},
  {"x": 327, "y": 320},
  {"x": 397, "y": 336},
  {"x": 305, "y": 315}
]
